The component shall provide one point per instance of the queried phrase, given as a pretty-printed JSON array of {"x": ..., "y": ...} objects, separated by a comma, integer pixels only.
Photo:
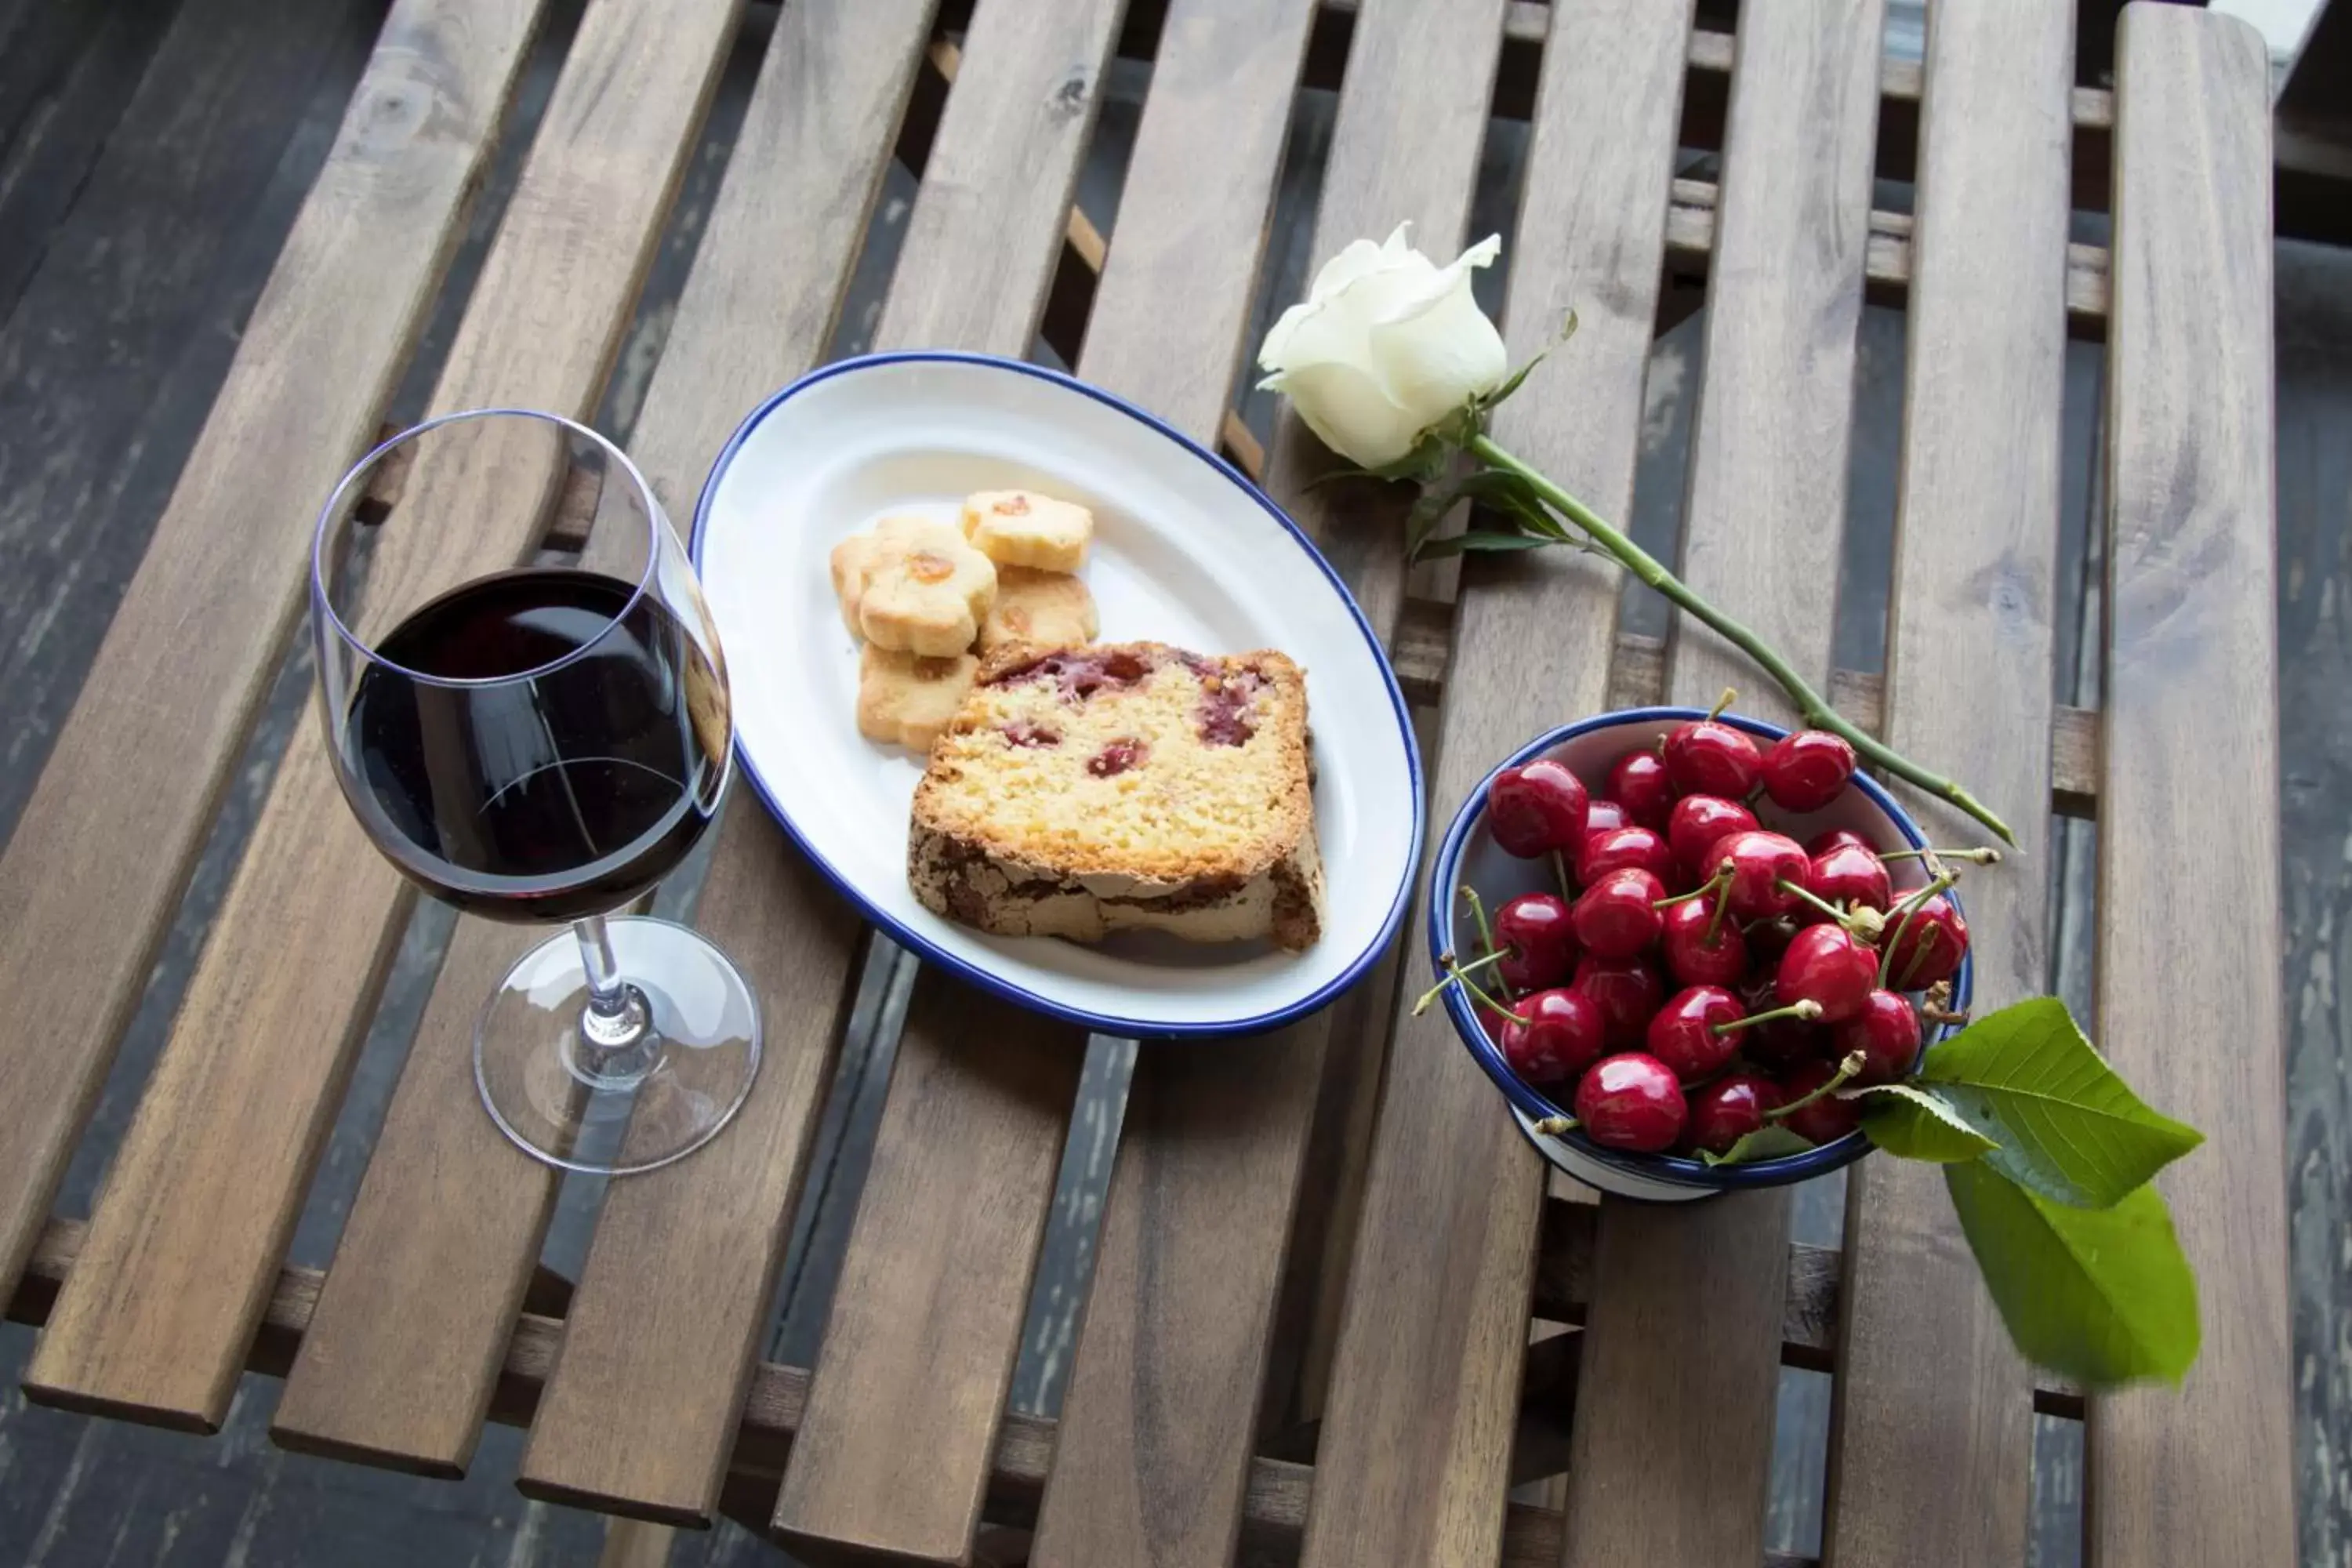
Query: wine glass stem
[{"x": 615, "y": 1024}]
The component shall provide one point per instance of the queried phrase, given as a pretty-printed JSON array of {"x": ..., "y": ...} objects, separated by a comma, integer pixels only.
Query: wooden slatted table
[{"x": 1326, "y": 1244}]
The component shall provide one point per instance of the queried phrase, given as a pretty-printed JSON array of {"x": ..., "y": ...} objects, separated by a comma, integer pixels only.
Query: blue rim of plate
[
  {"x": 1445, "y": 873},
  {"x": 1105, "y": 1022}
]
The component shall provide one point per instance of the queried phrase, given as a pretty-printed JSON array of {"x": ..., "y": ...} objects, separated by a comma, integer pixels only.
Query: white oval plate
[{"x": 1186, "y": 551}]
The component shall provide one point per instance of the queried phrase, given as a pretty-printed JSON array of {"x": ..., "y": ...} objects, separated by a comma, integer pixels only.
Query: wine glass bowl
[{"x": 541, "y": 744}]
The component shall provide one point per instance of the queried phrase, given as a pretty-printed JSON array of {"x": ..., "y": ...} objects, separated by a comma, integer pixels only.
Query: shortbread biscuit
[
  {"x": 925, "y": 594},
  {"x": 1022, "y": 527},
  {"x": 1050, "y": 608},
  {"x": 907, "y": 698},
  {"x": 856, "y": 555}
]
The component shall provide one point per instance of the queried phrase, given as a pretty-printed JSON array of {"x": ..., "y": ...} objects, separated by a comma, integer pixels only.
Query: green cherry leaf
[
  {"x": 1915, "y": 1124},
  {"x": 2104, "y": 1296},
  {"x": 2066, "y": 1124},
  {"x": 1772, "y": 1142}
]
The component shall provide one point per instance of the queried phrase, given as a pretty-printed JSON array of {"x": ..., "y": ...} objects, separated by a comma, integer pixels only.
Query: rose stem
[{"x": 1811, "y": 706}]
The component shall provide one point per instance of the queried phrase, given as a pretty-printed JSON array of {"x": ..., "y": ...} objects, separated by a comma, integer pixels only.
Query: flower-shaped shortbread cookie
[{"x": 1022, "y": 527}]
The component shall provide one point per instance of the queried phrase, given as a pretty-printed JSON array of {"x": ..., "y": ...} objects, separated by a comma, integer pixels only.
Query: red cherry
[
  {"x": 1886, "y": 1032},
  {"x": 1690, "y": 957},
  {"x": 1682, "y": 1033},
  {"x": 1782, "y": 1041},
  {"x": 1931, "y": 946},
  {"x": 1761, "y": 862},
  {"x": 1826, "y": 964},
  {"x": 1536, "y": 929},
  {"x": 1564, "y": 1034},
  {"x": 1696, "y": 824},
  {"x": 1806, "y": 770},
  {"x": 1822, "y": 843},
  {"x": 1768, "y": 940},
  {"x": 1604, "y": 814},
  {"x": 1536, "y": 809},
  {"x": 1617, "y": 916},
  {"x": 1826, "y": 1119},
  {"x": 1638, "y": 782},
  {"x": 1850, "y": 874},
  {"x": 1627, "y": 990},
  {"x": 1631, "y": 1101},
  {"x": 1641, "y": 848},
  {"x": 1707, "y": 756},
  {"x": 1729, "y": 1109}
]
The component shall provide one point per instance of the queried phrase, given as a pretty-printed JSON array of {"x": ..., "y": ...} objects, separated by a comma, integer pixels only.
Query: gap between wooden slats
[
  {"x": 2189, "y": 952},
  {"x": 209, "y": 1178},
  {"x": 1931, "y": 1441},
  {"x": 1274, "y": 1498},
  {"x": 101, "y": 854},
  {"x": 919, "y": 1350},
  {"x": 1674, "y": 1421}
]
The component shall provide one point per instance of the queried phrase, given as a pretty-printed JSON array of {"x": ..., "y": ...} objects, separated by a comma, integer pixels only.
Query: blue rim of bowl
[
  {"x": 1110, "y": 1024},
  {"x": 1444, "y": 874}
]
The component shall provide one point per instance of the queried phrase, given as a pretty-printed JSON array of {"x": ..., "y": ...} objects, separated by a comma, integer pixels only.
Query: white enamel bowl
[
  {"x": 1186, "y": 551},
  {"x": 1468, "y": 854}
]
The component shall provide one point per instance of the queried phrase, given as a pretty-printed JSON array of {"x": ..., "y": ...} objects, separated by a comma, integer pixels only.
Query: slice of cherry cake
[{"x": 1082, "y": 791}]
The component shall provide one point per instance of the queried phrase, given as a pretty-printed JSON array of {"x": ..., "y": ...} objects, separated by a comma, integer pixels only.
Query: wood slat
[
  {"x": 2190, "y": 944},
  {"x": 1417, "y": 1431},
  {"x": 100, "y": 856},
  {"x": 1933, "y": 1443},
  {"x": 637, "y": 1417},
  {"x": 1674, "y": 1419},
  {"x": 209, "y": 1178},
  {"x": 1163, "y": 1390},
  {"x": 918, "y": 1351}
]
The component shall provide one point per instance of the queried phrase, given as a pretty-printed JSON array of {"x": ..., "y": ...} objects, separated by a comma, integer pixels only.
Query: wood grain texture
[
  {"x": 100, "y": 855},
  {"x": 918, "y": 1351},
  {"x": 999, "y": 179},
  {"x": 892, "y": 1458},
  {"x": 1932, "y": 1443},
  {"x": 1674, "y": 1419},
  {"x": 641, "y": 1410},
  {"x": 1161, "y": 1403},
  {"x": 210, "y": 1176},
  {"x": 2189, "y": 943},
  {"x": 1418, "y": 1428}
]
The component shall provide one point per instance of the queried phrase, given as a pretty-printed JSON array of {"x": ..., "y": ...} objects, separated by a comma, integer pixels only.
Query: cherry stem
[
  {"x": 1479, "y": 991},
  {"x": 1486, "y": 932},
  {"x": 1852, "y": 1064},
  {"x": 1559, "y": 869},
  {"x": 1901, "y": 922},
  {"x": 1453, "y": 971},
  {"x": 1812, "y": 708},
  {"x": 1713, "y": 884},
  {"x": 1553, "y": 1126},
  {"x": 1804, "y": 1007},
  {"x": 1714, "y": 925},
  {"x": 1984, "y": 855},
  {"x": 1722, "y": 703},
  {"x": 1815, "y": 899}
]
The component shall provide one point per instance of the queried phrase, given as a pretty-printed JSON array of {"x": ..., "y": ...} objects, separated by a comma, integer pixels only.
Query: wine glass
[{"x": 543, "y": 745}]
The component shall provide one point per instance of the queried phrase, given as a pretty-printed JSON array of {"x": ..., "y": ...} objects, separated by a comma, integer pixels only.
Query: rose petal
[{"x": 1348, "y": 410}]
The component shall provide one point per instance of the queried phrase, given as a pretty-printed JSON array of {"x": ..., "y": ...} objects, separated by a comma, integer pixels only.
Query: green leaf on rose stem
[
  {"x": 2067, "y": 1126},
  {"x": 1915, "y": 1124},
  {"x": 2104, "y": 1296},
  {"x": 1494, "y": 488},
  {"x": 1423, "y": 464},
  {"x": 1465, "y": 543},
  {"x": 1511, "y": 383},
  {"x": 1771, "y": 1142}
]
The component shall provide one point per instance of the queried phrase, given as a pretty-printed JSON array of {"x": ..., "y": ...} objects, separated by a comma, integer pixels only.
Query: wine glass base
[{"x": 562, "y": 1098}]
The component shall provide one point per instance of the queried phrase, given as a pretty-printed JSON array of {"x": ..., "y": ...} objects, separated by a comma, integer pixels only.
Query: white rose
[{"x": 1386, "y": 344}]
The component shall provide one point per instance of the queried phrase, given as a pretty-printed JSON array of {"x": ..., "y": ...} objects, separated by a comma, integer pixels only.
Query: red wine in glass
[
  {"x": 561, "y": 794},
  {"x": 543, "y": 745}
]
